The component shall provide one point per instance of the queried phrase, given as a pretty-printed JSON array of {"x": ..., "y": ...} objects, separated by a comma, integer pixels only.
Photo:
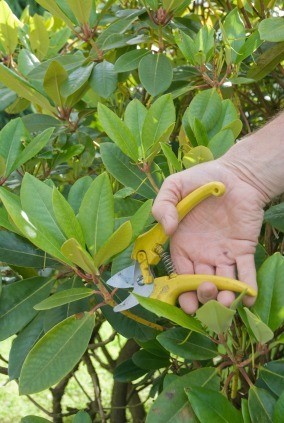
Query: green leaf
[
  {"x": 38, "y": 36},
  {"x": 33, "y": 148},
  {"x": 82, "y": 417},
  {"x": 191, "y": 346},
  {"x": 170, "y": 312},
  {"x": 172, "y": 159},
  {"x": 134, "y": 118},
  {"x": 104, "y": 79},
  {"x": 22, "y": 87},
  {"x": 53, "y": 80},
  {"x": 81, "y": 10},
  {"x": 279, "y": 410},
  {"x": 228, "y": 119},
  {"x": 146, "y": 360},
  {"x": 275, "y": 216},
  {"x": 53, "y": 8},
  {"x": 60, "y": 349},
  {"x": 36, "y": 199},
  {"x": 9, "y": 24},
  {"x": 172, "y": 404},
  {"x": 234, "y": 34},
  {"x": 245, "y": 411},
  {"x": 20, "y": 252},
  {"x": 273, "y": 375},
  {"x": 11, "y": 143},
  {"x": 122, "y": 168},
  {"x": 37, "y": 122},
  {"x": 267, "y": 62},
  {"x": 270, "y": 299},
  {"x": 78, "y": 191},
  {"x": 221, "y": 143},
  {"x": 96, "y": 213},
  {"x": 261, "y": 405},
  {"x": 127, "y": 371},
  {"x": 64, "y": 297},
  {"x": 272, "y": 29},
  {"x": 200, "y": 132},
  {"x": 140, "y": 219},
  {"x": 159, "y": 118},
  {"x": 260, "y": 330},
  {"x": 117, "y": 242},
  {"x": 196, "y": 156},
  {"x": 66, "y": 218},
  {"x": 211, "y": 406},
  {"x": 187, "y": 46},
  {"x": 27, "y": 61},
  {"x": 155, "y": 73},
  {"x": 34, "y": 419},
  {"x": 130, "y": 60},
  {"x": 250, "y": 45},
  {"x": 215, "y": 316},
  {"x": 77, "y": 255},
  {"x": 22, "y": 344},
  {"x": 38, "y": 235},
  {"x": 76, "y": 80},
  {"x": 117, "y": 131},
  {"x": 17, "y": 301},
  {"x": 207, "y": 107}
]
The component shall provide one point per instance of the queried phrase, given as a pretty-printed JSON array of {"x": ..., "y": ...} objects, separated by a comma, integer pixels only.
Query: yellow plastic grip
[
  {"x": 168, "y": 289},
  {"x": 156, "y": 236}
]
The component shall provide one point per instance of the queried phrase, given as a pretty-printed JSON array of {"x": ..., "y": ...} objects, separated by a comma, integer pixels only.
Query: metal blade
[
  {"x": 131, "y": 301},
  {"x": 123, "y": 279}
]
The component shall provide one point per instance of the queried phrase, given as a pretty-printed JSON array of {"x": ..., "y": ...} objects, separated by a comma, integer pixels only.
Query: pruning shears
[{"x": 148, "y": 251}]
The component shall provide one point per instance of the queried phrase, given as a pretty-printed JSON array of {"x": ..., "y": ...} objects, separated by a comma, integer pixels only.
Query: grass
[{"x": 13, "y": 407}]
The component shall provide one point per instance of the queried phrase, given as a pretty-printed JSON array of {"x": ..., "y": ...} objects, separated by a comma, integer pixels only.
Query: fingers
[
  {"x": 164, "y": 208},
  {"x": 207, "y": 290},
  {"x": 247, "y": 274},
  {"x": 226, "y": 297}
]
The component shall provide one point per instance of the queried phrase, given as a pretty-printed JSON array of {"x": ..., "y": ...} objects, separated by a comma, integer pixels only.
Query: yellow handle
[
  {"x": 168, "y": 289},
  {"x": 156, "y": 236}
]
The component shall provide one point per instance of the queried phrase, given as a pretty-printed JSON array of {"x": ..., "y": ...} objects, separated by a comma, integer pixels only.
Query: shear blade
[
  {"x": 123, "y": 279},
  {"x": 131, "y": 301}
]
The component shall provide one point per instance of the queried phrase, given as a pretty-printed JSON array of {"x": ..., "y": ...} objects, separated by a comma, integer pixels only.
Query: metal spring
[{"x": 166, "y": 259}]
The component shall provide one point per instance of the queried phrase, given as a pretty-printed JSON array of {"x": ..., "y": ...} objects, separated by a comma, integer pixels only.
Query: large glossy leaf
[
  {"x": 261, "y": 331},
  {"x": 250, "y": 45},
  {"x": 141, "y": 218},
  {"x": 261, "y": 405},
  {"x": 117, "y": 131},
  {"x": 78, "y": 191},
  {"x": 60, "y": 349},
  {"x": 81, "y": 10},
  {"x": 130, "y": 60},
  {"x": 52, "y": 7},
  {"x": 66, "y": 218},
  {"x": 79, "y": 256},
  {"x": 8, "y": 28},
  {"x": 82, "y": 417},
  {"x": 20, "y": 252},
  {"x": 191, "y": 346},
  {"x": 38, "y": 235},
  {"x": 146, "y": 360},
  {"x": 159, "y": 118},
  {"x": 275, "y": 216},
  {"x": 197, "y": 155},
  {"x": 36, "y": 199},
  {"x": 221, "y": 143},
  {"x": 215, "y": 316},
  {"x": 11, "y": 143},
  {"x": 211, "y": 406},
  {"x": 18, "y": 84},
  {"x": 17, "y": 301},
  {"x": 155, "y": 73},
  {"x": 134, "y": 118},
  {"x": 38, "y": 36},
  {"x": 33, "y": 148},
  {"x": 37, "y": 122},
  {"x": 267, "y": 62},
  {"x": 207, "y": 107},
  {"x": 272, "y": 29},
  {"x": 127, "y": 371},
  {"x": 104, "y": 79},
  {"x": 234, "y": 34},
  {"x": 27, "y": 61},
  {"x": 34, "y": 419},
  {"x": 53, "y": 80},
  {"x": 123, "y": 169},
  {"x": 64, "y": 297},
  {"x": 117, "y": 242},
  {"x": 96, "y": 213},
  {"x": 270, "y": 299},
  {"x": 172, "y": 313},
  {"x": 76, "y": 80},
  {"x": 172, "y": 404},
  {"x": 273, "y": 375},
  {"x": 279, "y": 410},
  {"x": 22, "y": 344}
]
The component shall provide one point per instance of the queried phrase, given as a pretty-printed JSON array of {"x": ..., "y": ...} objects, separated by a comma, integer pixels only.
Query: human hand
[{"x": 219, "y": 236}]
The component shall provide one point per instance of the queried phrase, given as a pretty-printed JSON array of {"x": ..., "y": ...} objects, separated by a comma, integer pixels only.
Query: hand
[{"x": 219, "y": 236}]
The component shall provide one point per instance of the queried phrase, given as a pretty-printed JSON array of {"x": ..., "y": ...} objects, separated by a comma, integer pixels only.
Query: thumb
[{"x": 164, "y": 208}]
